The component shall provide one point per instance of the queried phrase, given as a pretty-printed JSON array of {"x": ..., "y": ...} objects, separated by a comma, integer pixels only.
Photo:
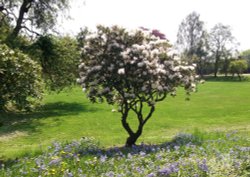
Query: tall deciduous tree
[
  {"x": 29, "y": 14},
  {"x": 59, "y": 59},
  {"x": 192, "y": 40},
  {"x": 222, "y": 44},
  {"x": 132, "y": 70},
  {"x": 246, "y": 55}
]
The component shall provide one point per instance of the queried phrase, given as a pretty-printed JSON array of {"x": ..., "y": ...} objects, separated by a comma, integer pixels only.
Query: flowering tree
[{"x": 131, "y": 69}]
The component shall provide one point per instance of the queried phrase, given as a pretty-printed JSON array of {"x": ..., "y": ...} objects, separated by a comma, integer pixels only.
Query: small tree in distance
[
  {"x": 238, "y": 67},
  {"x": 132, "y": 70}
]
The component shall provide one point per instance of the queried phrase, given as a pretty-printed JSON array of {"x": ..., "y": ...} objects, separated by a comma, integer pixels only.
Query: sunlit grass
[{"x": 216, "y": 107}]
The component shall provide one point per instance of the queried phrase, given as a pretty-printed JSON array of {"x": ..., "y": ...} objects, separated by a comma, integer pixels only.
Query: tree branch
[
  {"x": 25, "y": 27},
  {"x": 162, "y": 98},
  {"x": 124, "y": 120},
  {"x": 149, "y": 114},
  {"x": 7, "y": 12}
]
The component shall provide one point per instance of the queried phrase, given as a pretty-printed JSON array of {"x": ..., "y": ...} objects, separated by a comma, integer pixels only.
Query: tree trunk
[
  {"x": 216, "y": 65},
  {"x": 239, "y": 76},
  {"x": 131, "y": 140},
  {"x": 23, "y": 9}
]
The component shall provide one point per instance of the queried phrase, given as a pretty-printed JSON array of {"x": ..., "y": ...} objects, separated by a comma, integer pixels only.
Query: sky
[{"x": 164, "y": 15}]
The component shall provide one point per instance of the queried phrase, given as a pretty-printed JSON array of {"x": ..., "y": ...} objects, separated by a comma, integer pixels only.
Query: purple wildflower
[
  {"x": 151, "y": 175},
  {"x": 164, "y": 171},
  {"x": 55, "y": 162},
  {"x": 103, "y": 158},
  {"x": 203, "y": 165},
  {"x": 142, "y": 153}
]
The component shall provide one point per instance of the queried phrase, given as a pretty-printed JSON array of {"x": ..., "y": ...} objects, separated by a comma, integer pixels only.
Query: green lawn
[{"x": 216, "y": 107}]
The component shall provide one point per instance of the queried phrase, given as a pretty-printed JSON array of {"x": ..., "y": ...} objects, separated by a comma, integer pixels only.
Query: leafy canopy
[{"x": 59, "y": 59}]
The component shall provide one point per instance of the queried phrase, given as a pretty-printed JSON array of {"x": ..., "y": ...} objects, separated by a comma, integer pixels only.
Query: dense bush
[{"x": 20, "y": 79}]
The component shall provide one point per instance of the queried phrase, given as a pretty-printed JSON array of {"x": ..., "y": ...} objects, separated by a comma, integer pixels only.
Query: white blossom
[
  {"x": 81, "y": 65},
  {"x": 97, "y": 68},
  {"x": 121, "y": 71},
  {"x": 142, "y": 63},
  {"x": 160, "y": 88}
]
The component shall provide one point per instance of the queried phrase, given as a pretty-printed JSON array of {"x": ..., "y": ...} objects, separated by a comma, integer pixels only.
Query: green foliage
[
  {"x": 238, "y": 67},
  {"x": 246, "y": 55},
  {"x": 40, "y": 14},
  {"x": 20, "y": 79},
  {"x": 59, "y": 58},
  {"x": 4, "y": 27}
]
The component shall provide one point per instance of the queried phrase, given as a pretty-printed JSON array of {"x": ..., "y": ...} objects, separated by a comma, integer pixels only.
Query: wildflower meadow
[{"x": 185, "y": 155}]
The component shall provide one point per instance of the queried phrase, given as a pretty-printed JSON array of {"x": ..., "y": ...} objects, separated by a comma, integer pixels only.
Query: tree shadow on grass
[
  {"x": 178, "y": 142},
  {"x": 89, "y": 147},
  {"x": 28, "y": 122}
]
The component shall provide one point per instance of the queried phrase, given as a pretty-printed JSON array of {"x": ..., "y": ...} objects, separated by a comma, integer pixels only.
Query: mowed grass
[{"x": 216, "y": 107}]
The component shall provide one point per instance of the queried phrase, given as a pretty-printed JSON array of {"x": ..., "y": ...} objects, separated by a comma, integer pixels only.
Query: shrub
[
  {"x": 131, "y": 69},
  {"x": 20, "y": 80}
]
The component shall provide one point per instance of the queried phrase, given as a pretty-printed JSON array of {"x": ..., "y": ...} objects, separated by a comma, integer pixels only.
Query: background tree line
[{"x": 213, "y": 51}]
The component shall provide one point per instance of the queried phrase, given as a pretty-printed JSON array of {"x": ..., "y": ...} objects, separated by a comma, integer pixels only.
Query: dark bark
[
  {"x": 200, "y": 68},
  {"x": 239, "y": 76},
  {"x": 216, "y": 65},
  {"x": 23, "y": 9},
  {"x": 226, "y": 66},
  {"x": 131, "y": 140},
  {"x": 133, "y": 136}
]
